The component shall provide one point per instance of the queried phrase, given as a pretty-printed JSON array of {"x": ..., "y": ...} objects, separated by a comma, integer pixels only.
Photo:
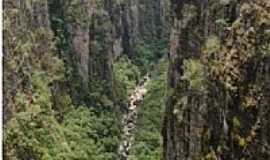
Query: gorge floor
[{"x": 130, "y": 118}]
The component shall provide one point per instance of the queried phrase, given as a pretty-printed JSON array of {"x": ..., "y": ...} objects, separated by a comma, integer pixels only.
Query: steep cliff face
[
  {"x": 43, "y": 70},
  {"x": 182, "y": 119},
  {"x": 153, "y": 24},
  {"x": 135, "y": 21},
  {"x": 60, "y": 87},
  {"x": 62, "y": 93},
  {"x": 89, "y": 36},
  {"x": 92, "y": 35},
  {"x": 129, "y": 18},
  {"x": 28, "y": 50},
  {"x": 212, "y": 60},
  {"x": 78, "y": 15},
  {"x": 152, "y": 20},
  {"x": 87, "y": 30},
  {"x": 31, "y": 67}
]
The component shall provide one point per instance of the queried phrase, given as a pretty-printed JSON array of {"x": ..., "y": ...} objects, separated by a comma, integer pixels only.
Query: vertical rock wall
[
  {"x": 129, "y": 18},
  {"x": 95, "y": 33},
  {"x": 89, "y": 32},
  {"x": 209, "y": 81},
  {"x": 183, "y": 121},
  {"x": 28, "y": 50}
]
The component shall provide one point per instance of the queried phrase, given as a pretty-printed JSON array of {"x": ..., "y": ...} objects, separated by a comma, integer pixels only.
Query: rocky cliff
[
  {"x": 214, "y": 77},
  {"x": 85, "y": 33},
  {"x": 28, "y": 49},
  {"x": 58, "y": 59},
  {"x": 91, "y": 37}
]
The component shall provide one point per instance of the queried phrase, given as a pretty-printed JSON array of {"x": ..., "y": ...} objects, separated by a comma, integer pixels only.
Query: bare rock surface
[{"x": 130, "y": 118}]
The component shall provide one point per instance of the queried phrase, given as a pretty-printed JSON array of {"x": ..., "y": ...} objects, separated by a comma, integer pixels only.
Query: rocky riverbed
[{"x": 130, "y": 117}]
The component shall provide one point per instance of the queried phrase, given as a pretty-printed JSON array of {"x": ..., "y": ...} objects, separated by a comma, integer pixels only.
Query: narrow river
[{"x": 130, "y": 118}]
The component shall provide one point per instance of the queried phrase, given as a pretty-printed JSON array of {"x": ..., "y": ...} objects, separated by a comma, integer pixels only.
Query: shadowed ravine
[
  {"x": 130, "y": 117},
  {"x": 75, "y": 82}
]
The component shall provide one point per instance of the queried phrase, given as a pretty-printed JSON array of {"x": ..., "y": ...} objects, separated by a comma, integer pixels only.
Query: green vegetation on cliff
[
  {"x": 151, "y": 79},
  {"x": 65, "y": 87},
  {"x": 148, "y": 140}
]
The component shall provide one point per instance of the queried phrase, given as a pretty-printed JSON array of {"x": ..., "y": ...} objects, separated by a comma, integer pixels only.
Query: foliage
[
  {"x": 238, "y": 67},
  {"x": 35, "y": 131},
  {"x": 76, "y": 14},
  {"x": 149, "y": 54},
  {"x": 29, "y": 51},
  {"x": 212, "y": 45},
  {"x": 194, "y": 73},
  {"x": 148, "y": 141},
  {"x": 91, "y": 135},
  {"x": 36, "y": 134},
  {"x": 242, "y": 48},
  {"x": 33, "y": 72},
  {"x": 126, "y": 76},
  {"x": 143, "y": 57}
]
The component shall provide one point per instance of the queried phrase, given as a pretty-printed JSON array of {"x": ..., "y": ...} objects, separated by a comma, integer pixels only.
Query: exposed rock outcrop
[
  {"x": 205, "y": 115},
  {"x": 28, "y": 47}
]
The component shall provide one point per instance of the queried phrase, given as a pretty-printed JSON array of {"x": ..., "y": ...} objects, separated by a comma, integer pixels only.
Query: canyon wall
[
  {"x": 28, "y": 51},
  {"x": 216, "y": 107}
]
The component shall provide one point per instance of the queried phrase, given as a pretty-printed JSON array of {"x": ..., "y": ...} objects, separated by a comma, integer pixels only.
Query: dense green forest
[{"x": 136, "y": 79}]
